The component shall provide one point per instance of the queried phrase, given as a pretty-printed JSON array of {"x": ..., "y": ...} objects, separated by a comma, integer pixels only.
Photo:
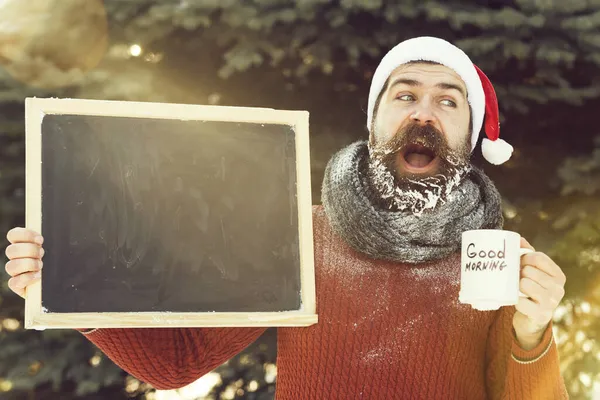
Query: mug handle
[{"x": 522, "y": 252}]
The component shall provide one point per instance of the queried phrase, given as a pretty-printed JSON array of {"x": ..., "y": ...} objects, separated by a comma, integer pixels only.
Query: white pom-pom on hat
[
  {"x": 480, "y": 92},
  {"x": 496, "y": 152}
]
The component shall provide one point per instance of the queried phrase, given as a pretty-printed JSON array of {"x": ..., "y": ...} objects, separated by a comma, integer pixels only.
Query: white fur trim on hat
[{"x": 433, "y": 49}]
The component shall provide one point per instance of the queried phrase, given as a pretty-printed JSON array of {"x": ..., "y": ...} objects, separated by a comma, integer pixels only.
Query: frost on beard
[{"x": 415, "y": 195}]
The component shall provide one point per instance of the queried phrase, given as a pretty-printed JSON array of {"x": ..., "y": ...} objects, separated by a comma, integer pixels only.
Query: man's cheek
[
  {"x": 392, "y": 120},
  {"x": 382, "y": 139},
  {"x": 384, "y": 135}
]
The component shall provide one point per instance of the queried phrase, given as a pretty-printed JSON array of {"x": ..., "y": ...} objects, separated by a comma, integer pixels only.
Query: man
[{"x": 387, "y": 261}]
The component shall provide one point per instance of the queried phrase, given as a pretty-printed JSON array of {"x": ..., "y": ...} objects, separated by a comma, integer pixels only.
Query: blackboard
[{"x": 162, "y": 214}]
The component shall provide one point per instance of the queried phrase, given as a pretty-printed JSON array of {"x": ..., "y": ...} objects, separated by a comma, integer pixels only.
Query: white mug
[{"x": 490, "y": 268}]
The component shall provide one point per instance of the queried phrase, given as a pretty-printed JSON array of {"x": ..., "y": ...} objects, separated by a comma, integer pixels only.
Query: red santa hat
[{"x": 480, "y": 92}]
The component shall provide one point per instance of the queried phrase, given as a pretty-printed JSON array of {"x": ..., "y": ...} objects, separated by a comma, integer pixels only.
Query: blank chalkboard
[{"x": 169, "y": 215}]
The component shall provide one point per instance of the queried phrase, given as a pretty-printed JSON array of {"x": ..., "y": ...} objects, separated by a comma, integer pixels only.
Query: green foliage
[
  {"x": 250, "y": 375},
  {"x": 577, "y": 245},
  {"x": 31, "y": 359},
  {"x": 582, "y": 174},
  {"x": 537, "y": 52},
  {"x": 575, "y": 233},
  {"x": 530, "y": 49},
  {"x": 577, "y": 226}
]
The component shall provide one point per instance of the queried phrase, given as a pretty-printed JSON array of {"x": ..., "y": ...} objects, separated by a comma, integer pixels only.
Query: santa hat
[{"x": 480, "y": 92}]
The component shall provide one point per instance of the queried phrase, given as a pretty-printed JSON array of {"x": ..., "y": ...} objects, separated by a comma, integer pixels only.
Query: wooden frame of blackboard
[{"x": 37, "y": 108}]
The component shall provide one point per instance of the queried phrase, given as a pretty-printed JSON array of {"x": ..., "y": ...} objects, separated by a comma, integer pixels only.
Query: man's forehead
[{"x": 427, "y": 73}]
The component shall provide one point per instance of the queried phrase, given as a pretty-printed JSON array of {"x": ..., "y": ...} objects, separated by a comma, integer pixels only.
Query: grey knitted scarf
[{"x": 401, "y": 235}]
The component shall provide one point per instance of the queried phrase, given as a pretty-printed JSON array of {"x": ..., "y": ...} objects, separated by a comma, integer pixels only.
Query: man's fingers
[
  {"x": 24, "y": 250},
  {"x": 18, "y": 283},
  {"x": 526, "y": 244},
  {"x": 542, "y": 301},
  {"x": 22, "y": 265},
  {"x": 543, "y": 262},
  {"x": 24, "y": 235},
  {"x": 533, "y": 311},
  {"x": 19, "y": 291},
  {"x": 538, "y": 276},
  {"x": 532, "y": 289},
  {"x": 527, "y": 307}
]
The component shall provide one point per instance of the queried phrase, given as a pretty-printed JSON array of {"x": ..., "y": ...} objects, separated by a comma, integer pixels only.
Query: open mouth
[{"x": 417, "y": 158}]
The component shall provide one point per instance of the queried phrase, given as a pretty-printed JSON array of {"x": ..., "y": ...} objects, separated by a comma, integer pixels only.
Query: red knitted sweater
[{"x": 385, "y": 331}]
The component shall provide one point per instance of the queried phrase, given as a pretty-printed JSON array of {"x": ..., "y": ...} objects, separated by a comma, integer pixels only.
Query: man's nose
[{"x": 422, "y": 115}]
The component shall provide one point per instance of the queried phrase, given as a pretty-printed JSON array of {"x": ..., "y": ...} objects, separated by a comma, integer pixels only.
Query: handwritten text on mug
[{"x": 492, "y": 260}]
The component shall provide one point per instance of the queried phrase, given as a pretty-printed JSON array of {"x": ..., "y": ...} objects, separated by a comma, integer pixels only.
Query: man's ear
[
  {"x": 376, "y": 111},
  {"x": 372, "y": 140},
  {"x": 372, "y": 136}
]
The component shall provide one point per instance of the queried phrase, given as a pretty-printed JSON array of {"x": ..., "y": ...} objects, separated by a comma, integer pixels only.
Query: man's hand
[
  {"x": 25, "y": 259},
  {"x": 544, "y": 283}
]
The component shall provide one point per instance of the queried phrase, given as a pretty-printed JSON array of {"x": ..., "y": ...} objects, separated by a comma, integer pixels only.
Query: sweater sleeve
[
  {"x": 515, "y": 373},
  {"x": 170, "y": 358}
]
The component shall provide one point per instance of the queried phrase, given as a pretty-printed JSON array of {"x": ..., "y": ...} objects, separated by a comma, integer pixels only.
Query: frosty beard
[{"x": 412, "y": 192}]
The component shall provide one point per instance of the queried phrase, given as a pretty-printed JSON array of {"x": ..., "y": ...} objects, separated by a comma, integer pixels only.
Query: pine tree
[
  {"x": 540, "y": 55},
  {"x": 534, "y": 51}
]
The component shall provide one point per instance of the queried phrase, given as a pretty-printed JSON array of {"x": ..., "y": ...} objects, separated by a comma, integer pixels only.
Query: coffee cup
[{"x": 490, "y": 268}]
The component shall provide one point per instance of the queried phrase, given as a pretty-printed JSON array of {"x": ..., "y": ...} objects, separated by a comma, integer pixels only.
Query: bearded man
[{"x": 387, "y": 262}]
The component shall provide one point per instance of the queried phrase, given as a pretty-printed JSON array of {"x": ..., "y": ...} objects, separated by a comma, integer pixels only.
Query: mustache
[{"x": 427, "y": 136}]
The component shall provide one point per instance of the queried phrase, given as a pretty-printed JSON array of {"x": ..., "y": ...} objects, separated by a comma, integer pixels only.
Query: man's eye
[
  {"x": 406, "y": 97},
  {"x": 448, "y": 103}
]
